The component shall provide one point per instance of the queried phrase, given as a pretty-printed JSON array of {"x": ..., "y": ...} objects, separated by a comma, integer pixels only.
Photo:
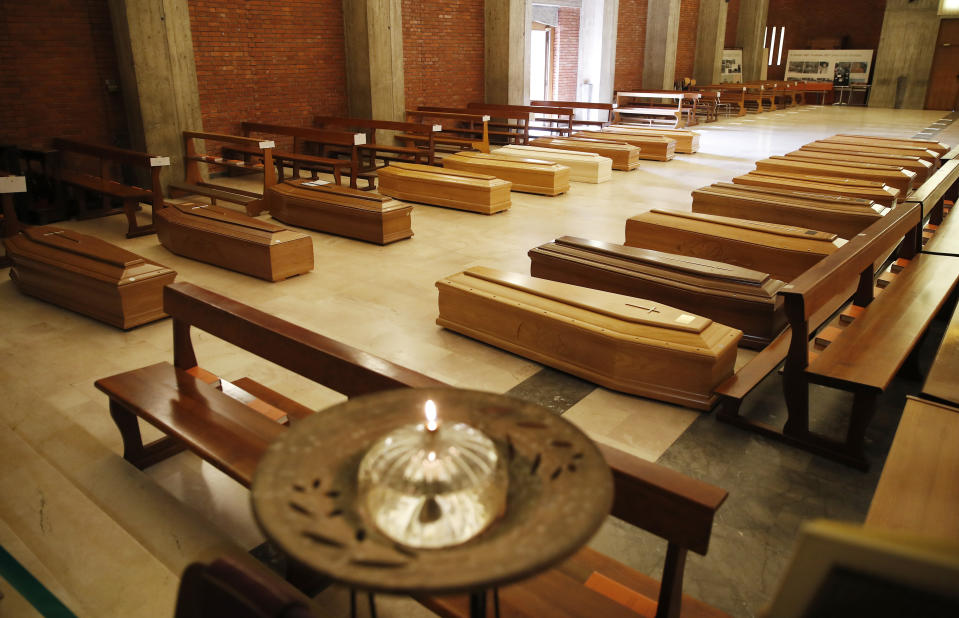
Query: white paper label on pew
[
  {"x": 267, "y": 144},
  {"x": 13, "y": 184},
  {"x": 485, "y": 118},
  {"x": 316, "y": 183},
  {"x": 359, "y": 139},
  {"x": 437, "y": 127},
  {"x": 159, "y": 161}
]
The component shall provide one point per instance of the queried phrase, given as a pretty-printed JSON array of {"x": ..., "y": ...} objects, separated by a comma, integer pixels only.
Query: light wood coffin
[
  {"x": 783, "y": 251},
  {"x": 435, "y": 186},
  {"x": 620, "y": 342},
  {"x": 625, "y": 156},
  {"x": 937, "y": 147},
  {"x": 923, "y": 169},
  {"x": 738, "y": 297},
  {"x": 895, "y": 177},
  {"x": 528, "y": 175},
  {"x": 850, "y": 187},
  {"x": 651, "y": 147},
  {"x": 229, "y": 239},
  {"x": 583, "y": 166},
  {"x": 333, "y": 209},
  {"x": 687, "y": 142},
  {"x": 843, "y": 216},
  {"x": 908, "y": 151},
  {"x": 88, "y": 275}
]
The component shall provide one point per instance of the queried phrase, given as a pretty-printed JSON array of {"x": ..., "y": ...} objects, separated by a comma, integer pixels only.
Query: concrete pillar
[
  {"x": 158, "y": 76},
  {"x": 662, "y": 36},
  {"x": 749, "y": 36},
  {"x": 373, "y": 30},
  {"x": 710, "y": 36},
  {"x": 507, "y": 51},
  {"x": 904, "y": 58}
]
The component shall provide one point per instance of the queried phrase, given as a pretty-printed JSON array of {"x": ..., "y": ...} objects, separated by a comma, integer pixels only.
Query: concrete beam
[
  {"x": 373, "y": 30},
  {"x": 662, "y": 36},
  {"x": 507, "y": 51},
  {"x": 158, "y": 76},
  {"x": 904, "y": 57},
  {"x": 749, "y": 36},
  {"x": 710, "y": 36}
]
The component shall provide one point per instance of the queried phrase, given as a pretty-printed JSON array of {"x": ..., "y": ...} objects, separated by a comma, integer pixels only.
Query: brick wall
[
  {"x": 860, "y": 21},
  {"x": 686, "y": 44},
  {"x": 56, "y": 57},
  {"x": 566, "y": 61},
  {"x": 732, "y": 21},
  {"x": 443, "y": 52},
  {"x": 630, "y": 45},
  {"x": 267, "y": 61}
]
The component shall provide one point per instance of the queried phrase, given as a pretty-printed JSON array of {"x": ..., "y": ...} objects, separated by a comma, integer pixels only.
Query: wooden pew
[
  {"x": 461, "y": 131},
  {"x": 583, "y": 106},
  {"x": 39, "y": 205},
  {"x": 299, "y": 157},
  {"x": 560, "y": 121},
  {"x": 102, "y": 182},
  {"x": 504, "y": 127},
  {"x": 196, "y": 185},
  {"x": 231, "y": 427},
  {"x": 709, "y": 105},
  {"x": 9, "y": 225},
  {"x": 650, "y": 104},
  {"x": 730, "y": 96},
  {"x": 670, "y": 505},
  {"x": 373, "y": 150},
  {"x": 941, "y": 384}
]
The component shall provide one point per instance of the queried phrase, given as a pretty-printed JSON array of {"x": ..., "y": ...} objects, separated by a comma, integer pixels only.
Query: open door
[{"x": 541, "y": 62}]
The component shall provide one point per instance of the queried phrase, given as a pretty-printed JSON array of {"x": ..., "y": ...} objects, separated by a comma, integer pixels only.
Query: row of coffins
[{"x": 708, "y": 279}]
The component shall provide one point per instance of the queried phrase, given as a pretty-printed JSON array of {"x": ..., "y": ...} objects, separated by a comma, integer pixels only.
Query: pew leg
[
  {"x": 863, "y": 408},
  {"x": 139, "y": 454},
  {"x": 911, "y": 368},
  {"x": 133, "y": 228},
  {"x": 796, "y": 391}
]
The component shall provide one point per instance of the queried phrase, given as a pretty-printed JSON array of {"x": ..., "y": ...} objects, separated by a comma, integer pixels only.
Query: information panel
[{"x": 839, "y": 66}]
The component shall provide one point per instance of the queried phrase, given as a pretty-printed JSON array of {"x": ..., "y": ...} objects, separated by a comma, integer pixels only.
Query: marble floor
[{"x": 109, "y": 540}]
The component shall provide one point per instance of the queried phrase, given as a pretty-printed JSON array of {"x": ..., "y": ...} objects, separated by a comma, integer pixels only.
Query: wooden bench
[
  {"x": 460, "y": 130},
  {"x": 504, "y": 127},
  {"x": 102, "y": 182},
  {"x": 231, "y": 427},
  {"x": 9, "y": 225},
  {"x": 730, "y": 96},
  {"x": 560, "y": 119},
  {"x": 666, "y": 503},
  {"x": 374, "y": 150},
  {"x": 299, "y": 157},
  {"x": 651, "y": 104},
  {"x": 586, "y": 107},
  {"x": 196, "y": 185},
  {"x": 941, "y": 384}
]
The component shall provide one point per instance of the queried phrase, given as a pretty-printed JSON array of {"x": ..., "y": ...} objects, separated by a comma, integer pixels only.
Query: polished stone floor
[{"x": 109, "y": 540}]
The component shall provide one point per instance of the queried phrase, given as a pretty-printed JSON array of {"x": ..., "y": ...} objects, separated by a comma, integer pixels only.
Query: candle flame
[{"x": 430, "y": 410}]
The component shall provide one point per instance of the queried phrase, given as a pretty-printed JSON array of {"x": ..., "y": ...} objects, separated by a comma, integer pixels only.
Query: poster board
[
  {"x": 731, "y": 70},
  {"x": 848, "y": 66}
]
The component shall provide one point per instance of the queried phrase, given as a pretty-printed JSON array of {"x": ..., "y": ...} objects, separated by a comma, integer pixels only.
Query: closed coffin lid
[
  {"x": 83, "y": 254},
  {"x": 798, "y": 197},
  {"x": 428, "y": 173},
  {"x": 604, "y": 312},
  {"x": 505, "y": 160},
  {"x": 677, "y": 270},
  {"x": 221, "y": 221},
  {"x": 345, "y": 197},
  {"x": 534, "y": 151},
  {"x": 677, "y": 218}
]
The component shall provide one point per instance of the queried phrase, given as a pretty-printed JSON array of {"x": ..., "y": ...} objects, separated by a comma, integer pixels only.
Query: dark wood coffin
[
  {"x": 88, "y": 275},
  {"x": 785, "y": 252},
  {"x": 333, "y": 209},
  {"x": 738, "y": 297},
  {"x": 843, "y": 216},
  {"x": 628, "y": 344},
  {"x": 233, "y": 240}
]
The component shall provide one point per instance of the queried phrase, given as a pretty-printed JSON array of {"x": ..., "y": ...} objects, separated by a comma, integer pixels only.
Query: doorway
[
  {"x": 541, "y": 61},
  {"x": 943, "y": 89}
]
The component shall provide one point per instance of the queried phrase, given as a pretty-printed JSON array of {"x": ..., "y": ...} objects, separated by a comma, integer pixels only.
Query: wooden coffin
[
  {"x": 583, "y": 166},
  {"x": 88, "y": 275},
  {"x": 849, "y": 187},
  {"x": 937, "y": 147},
  {"x": 528, "y": 175},
  {"x": 738, "y": 297},
  {"x": 651, "y": 147},
  {"x": 435, "y": 186},
  {"x": 809, "y": 152},
  {"x": 783, "y": 251},
  {"x": 909, "y": 151},
  {"x": 843, "y": 216},
  {"x": 333, "y": 209},
  {"x": 233, "y": 240},
  {"x": 687, "y": 142},
  {"x": 624, "y": 156},
  {"x": 620, "y": 342},
  {"x": 895, "y": 177}
]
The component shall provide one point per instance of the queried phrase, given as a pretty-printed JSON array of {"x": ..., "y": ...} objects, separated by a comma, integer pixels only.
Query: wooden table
[
  {"x": 918, "y": 491},
  {"x": 651, "y": 103}
]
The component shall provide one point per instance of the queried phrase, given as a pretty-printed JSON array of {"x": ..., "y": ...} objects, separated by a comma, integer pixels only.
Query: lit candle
[{"x": 430, "y": 410}]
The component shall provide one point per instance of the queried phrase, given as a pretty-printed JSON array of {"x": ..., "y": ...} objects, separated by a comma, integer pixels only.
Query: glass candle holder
[{"x": 431, "y": 485}]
